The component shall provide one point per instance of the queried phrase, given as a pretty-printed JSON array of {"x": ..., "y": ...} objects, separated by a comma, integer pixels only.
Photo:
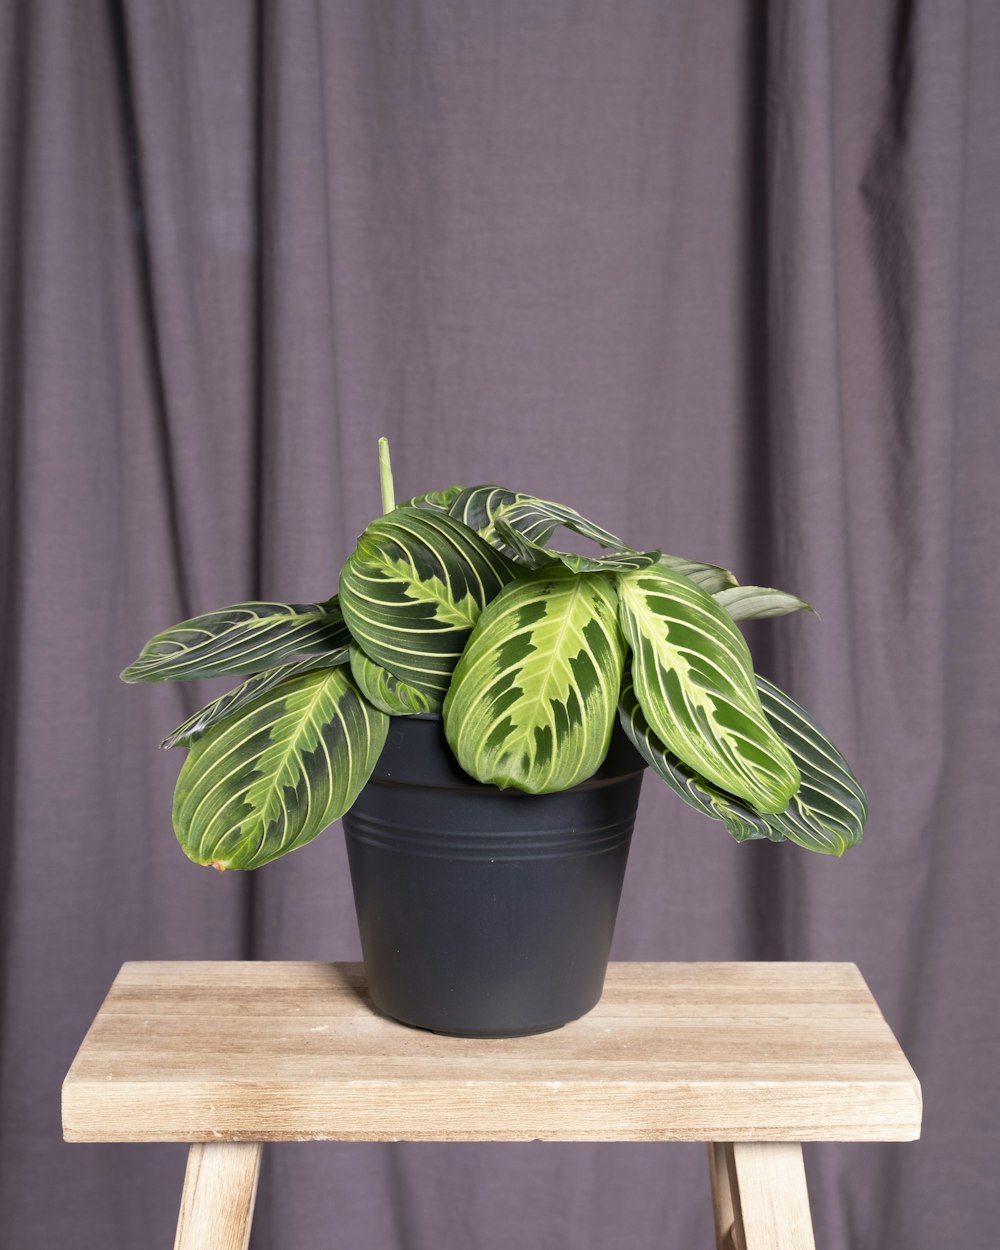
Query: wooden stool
[{"x": 753, "y": 1058}]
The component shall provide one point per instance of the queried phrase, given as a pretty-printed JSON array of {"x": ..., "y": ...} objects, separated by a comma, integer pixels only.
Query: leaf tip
[{"x": 218, "y": 865}]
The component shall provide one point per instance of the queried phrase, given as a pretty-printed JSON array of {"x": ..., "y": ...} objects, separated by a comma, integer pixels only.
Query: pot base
[{"x": 486, "y": 1033}]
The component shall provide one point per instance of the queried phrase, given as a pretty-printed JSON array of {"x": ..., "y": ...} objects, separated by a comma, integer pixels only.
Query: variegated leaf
[
  {"x": 751, "y": 603},
  {"x": 233, "y": 701},
  {"x": 494, "y": 512},
  {"x": 829, "y": 810},
  {"x": 271, "y": 778},
  {"x": 537, "y": 519},
  {"x": 535, "y": 554},
  {"x": 532, "y": 702},
  {"x": 520, "y": 526},
  {"x": 741, "y": 821},
  {"x": 694, "y": 680},
  {"x": 710, "y": 577},
  {"x": 826, "y": 814},
  {"x": 434, "y": 500},
  {"x": 412, "y": 591},
  {"x": 388, "y": 693},
  {"x": 244, "y": 638},
  {"x": 611, "y": 562},
  {"x": 476, "y": 505}
]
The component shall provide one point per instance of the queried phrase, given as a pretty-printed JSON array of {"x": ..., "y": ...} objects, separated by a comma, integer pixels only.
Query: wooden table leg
[
  {"x": 220, "y": 1188},
  {"x": 719, "y": 1165},
  {"x": 759, "y": 1196}
]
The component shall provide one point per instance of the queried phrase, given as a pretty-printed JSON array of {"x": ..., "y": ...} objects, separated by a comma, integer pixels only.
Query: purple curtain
[{"x": 724, "y": 276}]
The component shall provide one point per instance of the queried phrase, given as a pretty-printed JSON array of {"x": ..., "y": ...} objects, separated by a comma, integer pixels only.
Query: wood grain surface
[
  {"x": 770, "y": 1201},
  {"x": 220, "y": 1190},
  {"x": 730, "y": 1052}
]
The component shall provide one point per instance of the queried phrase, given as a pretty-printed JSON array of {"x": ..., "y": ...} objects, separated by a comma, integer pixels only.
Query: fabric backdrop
[{"x": 724, "y": 276}]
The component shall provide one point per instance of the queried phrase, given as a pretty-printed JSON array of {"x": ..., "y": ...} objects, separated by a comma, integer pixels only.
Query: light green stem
[{"x": 385, "y": 476}]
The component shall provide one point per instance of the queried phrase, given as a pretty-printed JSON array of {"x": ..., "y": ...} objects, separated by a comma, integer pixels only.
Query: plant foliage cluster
[{"x": 455, "y": 603}]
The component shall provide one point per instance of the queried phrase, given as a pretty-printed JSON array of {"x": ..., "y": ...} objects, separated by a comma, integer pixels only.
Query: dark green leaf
[
  {"x": 476, "y": 505},
  {"x": 244, "y": 638},
  {"x": 829, "y": 810},
  {"x": 233, "y": 701},
  {"x": 827, "y": 813},
  {"x": 412, "y": 591},
  {"x": 434, "y": 500}
]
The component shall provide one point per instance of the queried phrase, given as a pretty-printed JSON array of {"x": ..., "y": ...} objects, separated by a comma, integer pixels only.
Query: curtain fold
[{"x": 725, "y": 278}]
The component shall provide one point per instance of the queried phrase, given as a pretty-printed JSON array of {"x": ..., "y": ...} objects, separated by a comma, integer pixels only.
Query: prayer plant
[{"x": 454, "y": 603}]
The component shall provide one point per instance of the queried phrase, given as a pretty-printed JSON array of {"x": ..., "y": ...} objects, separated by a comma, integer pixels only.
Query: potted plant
[{"x": 479, "y": 706}]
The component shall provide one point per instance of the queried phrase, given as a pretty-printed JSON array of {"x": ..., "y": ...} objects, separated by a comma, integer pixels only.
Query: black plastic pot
[{"x": 484, "y": 912}]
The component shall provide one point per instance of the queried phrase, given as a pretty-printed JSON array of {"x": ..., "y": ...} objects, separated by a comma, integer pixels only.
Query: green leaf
[
  {"x": 245, "y": 638},
  {"x": 694, "y": 680},
  {"x": 535, "y": 556},
  {"x": 710, "y": 577},
  {"x": 520, "y": 526},
  {"x": 388, "y": 693},
  {"x": 536, "y": 520},
  {"x": 412, "y": 591},
  {"x": 434, "y": 500},
  {"x": 532, "y": 702},
  {"x": 745, "y": 603},
  {"x": 476, "y": 505},
  {"x": 525, "y": 525},
  {"x": 826, "y": 814},
  {"x": 271, "y": 778},
  {"x": 741, "y": 821},
  {"x": 233, "y": 701},
  {"x": 829, "y": 810}
]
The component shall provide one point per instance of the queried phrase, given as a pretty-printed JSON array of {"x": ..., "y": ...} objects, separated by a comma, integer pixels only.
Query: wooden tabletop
[{"x": 673, "y": 1052}]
